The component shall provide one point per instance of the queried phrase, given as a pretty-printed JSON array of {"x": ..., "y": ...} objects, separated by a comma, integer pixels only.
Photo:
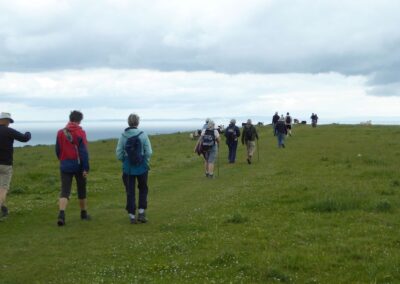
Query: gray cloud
[{"x": 285, "y": 36}]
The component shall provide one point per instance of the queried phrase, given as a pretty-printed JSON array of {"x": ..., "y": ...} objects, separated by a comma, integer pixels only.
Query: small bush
[
  {"x": 395, "y": 183},
  {"x": 224, "y": 259},
  {"x": 275, "y": 275},
  {"x": 333, "y": 205},
  {"x": 237, "y": 218},
  {"x": 383, "y": 206},
  {"x": 18, "y": 190}
]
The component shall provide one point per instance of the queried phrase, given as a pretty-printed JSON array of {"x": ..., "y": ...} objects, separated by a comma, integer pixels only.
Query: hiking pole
[
  {"x": 258, "y": 152},
  {"x": 218, "y": 160}
]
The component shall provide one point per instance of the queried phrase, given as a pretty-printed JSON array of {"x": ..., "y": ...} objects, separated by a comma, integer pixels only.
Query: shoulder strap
[{"x": 68, "y": 135}]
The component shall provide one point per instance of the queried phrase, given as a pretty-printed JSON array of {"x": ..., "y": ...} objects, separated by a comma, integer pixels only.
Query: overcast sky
[{"x": 206, "y": 58}]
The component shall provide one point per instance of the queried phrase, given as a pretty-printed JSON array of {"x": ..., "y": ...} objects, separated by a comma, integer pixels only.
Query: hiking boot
[
  {"x": 249, "y": 161},
  {"x": 85, "y": 216},
  {"x": 132, "y": 220},
  {"x": 61, "y": 221},
  {"x": 4, "y": 211},
  {"x": 207, "y": 175},
  {"x": 142, "y": 218},
  {"x": 211, "y": 176}
]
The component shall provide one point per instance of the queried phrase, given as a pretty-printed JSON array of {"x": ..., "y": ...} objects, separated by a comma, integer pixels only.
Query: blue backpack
[{"x": 133, "y": 149}]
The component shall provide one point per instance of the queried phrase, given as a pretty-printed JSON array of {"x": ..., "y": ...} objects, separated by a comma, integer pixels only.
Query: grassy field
[{"x": 326, "y": 209}]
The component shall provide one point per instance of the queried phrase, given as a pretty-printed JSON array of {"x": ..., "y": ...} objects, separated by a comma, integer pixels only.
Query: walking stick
[
  {"x": 258, "y": 152},
  {"x": 218, "y": 160}
]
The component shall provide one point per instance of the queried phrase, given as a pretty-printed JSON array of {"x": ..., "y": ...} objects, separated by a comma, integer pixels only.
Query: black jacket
[
  {"x": 249, "y": 133},
  {"x": 281, "y": 127},
  {"x": 7, "y": 137},
  {"x": 232, "y": 133},
  {"x": 275, "y": 119}
]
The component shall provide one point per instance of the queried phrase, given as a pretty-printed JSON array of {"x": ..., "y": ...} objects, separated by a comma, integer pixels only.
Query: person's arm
[
  {"x": 255, "y": 131},
  {"x": 58, "y": 148},
  {"x": 217, "y": 136},
  {"x": 83, "y": 154},
  {"x": 148, "y": 151},
  {"x": 119, "y": 151},
  {"x": 19, "y": 136},
  {"x": 237, "y": 132}
]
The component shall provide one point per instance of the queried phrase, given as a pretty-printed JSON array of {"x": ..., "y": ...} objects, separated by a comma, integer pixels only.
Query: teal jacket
[{"x": 122, "y": 156}]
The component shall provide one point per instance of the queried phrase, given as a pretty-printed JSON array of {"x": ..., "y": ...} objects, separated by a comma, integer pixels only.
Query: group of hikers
[
  {"x": 207, "y": 144},
  {"x": 133, "y": 150}
]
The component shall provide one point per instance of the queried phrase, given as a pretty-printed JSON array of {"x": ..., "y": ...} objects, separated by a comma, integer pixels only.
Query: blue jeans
[
  {"x": 129, "y": 182},
  {"x": 281, "y": 139},
  {"x": 232, "y": 146}
]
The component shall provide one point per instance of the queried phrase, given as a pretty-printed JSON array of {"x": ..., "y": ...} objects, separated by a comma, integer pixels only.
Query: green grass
[{"x": 323, "y": 210}]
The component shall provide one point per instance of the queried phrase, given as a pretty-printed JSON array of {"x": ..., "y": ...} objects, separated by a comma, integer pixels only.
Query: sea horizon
[{"x": 44, "y": 132}]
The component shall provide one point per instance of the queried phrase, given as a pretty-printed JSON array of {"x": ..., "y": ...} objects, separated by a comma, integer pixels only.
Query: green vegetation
[{"x": 326, "y": 209}]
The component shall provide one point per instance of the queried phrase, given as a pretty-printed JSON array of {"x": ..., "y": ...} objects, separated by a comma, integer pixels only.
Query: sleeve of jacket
[
  {"x": 237, "y": 132},
  {"x": 148, "y": 151},
  {"x": 243, "y": 134},
  {"x": 119, "y": 151},
  {"x": 83, "y": 153},
  {"x": 21, "y": 137},
  {"x": 58, "y": 149}
]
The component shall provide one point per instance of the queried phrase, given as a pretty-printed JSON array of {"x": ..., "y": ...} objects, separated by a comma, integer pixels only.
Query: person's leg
[
  {"x": 5, "y": 180},
  {"x": 81, "y": 187},
  {"x": 234, "y": 149},
  {"x": 250, "y": 150},
  {"x": 129, "y": 182},
  {"x": 66, "y": 183},
  {"x": 230, "y": 152},
  {"x": 206, "y": 155},
  {"x": 3, "y": 195},
  {"x": 143, "y": 191}
]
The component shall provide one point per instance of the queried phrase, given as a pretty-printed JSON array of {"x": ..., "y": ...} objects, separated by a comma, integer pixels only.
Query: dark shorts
[
  {"x": 288, "y": 126},
  {"x": 66, "y": 185}
]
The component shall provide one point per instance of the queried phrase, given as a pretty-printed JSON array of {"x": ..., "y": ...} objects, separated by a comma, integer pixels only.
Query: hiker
[
  {"x": 208, "y": 146},
  {"x": 134, "y": 151},
  {"x": 288, "y": 123},
  {"x": 206, "y": 124},
  {"x": 232, "y": 133},
  {"x": 314, "y": 119},
  {"x": 249, "y": 137},
  {"x": 72, "y": 152},
  {"x": 275, "y": 119},
  {"x": 7, "y": 137},
  {"x": 281, "y": 132}
]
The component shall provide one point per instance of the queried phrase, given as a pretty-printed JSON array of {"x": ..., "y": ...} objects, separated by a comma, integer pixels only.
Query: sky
[{"x": 173, "y": 59}]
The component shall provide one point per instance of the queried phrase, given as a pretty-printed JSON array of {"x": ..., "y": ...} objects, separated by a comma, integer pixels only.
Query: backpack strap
[{"x": 138, "y": 134}]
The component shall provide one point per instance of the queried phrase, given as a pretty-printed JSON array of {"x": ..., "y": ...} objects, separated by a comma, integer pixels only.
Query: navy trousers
[
  {"x": 129, "y": 182},
  {"x": 232, "y": 146}
]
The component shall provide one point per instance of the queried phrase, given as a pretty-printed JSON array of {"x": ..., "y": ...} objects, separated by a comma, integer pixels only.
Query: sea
[{"x": 44, "y": 132}]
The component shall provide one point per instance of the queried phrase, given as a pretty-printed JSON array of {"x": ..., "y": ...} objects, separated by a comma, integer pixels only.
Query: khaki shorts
[
  {"x": 5, "y": 176},
  {"x": 251, "y": 147}
]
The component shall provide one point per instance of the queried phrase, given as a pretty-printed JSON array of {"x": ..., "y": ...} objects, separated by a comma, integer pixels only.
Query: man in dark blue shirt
[{"x": 7, "y": 137}]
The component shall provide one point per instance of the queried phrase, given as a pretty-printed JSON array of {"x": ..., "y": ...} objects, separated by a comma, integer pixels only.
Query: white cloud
[
  {"x": 199, "y": 58},
  {"x": 109, "y": 93}
]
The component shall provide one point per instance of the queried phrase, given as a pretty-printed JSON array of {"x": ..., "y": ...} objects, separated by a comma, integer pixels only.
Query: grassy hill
[{"x": 323, "y": 210}]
